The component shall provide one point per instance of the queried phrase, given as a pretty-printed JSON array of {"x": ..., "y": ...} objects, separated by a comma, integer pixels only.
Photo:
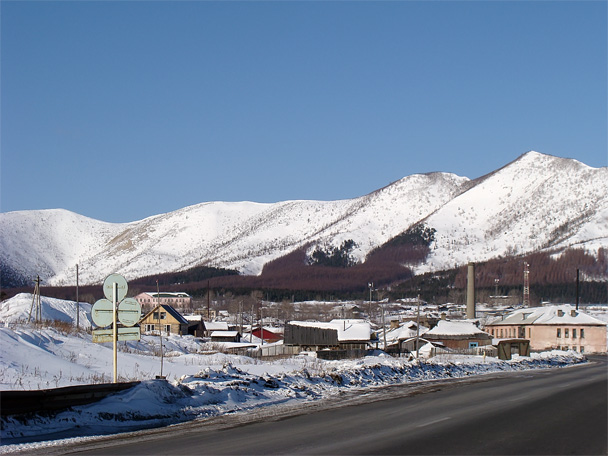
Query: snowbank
[{"x": 233, "y": 387}]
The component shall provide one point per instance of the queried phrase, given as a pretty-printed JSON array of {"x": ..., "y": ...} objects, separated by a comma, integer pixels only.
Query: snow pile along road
[{"x": 216, "y": 391}]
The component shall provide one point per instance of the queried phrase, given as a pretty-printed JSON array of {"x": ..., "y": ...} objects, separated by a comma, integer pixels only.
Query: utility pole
[
  {"x": 77, "y": 300},
  {"x": 251, "y": 321},
  {"x": 208, "y": 301},
  {"x": 160, "y": 330},
  {"x": 418, "y": 329},
  {"x": 371, "y": 287},
  {"x": 577, "y": 288},
  {"x": 383, "y": 326},
  {"x": 262, "y": 324}
]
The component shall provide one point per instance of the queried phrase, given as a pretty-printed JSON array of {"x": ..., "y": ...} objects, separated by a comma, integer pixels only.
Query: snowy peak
[{"x": 537, "y": 202}]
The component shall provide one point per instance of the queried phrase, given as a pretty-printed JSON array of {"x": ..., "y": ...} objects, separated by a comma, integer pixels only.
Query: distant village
[{"x": 407, "y": 327}]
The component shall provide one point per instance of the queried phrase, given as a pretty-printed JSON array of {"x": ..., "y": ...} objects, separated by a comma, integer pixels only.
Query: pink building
[
  {"x": 177, "y": 300},
  {"x": 559, "y": 327}
]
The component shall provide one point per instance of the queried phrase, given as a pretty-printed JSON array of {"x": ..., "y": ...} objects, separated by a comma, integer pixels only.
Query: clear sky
[{"x": 122, "y": 110}]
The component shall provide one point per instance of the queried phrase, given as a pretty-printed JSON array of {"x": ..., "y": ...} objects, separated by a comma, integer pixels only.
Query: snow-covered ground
[{"x": 200, "y": 383}]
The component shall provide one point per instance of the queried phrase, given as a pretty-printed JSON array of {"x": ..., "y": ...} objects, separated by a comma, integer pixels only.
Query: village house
[
  {"x": 552, "y": 327},
  {"x": 458, "y": 335},
  {"x": 345, "y": 338},
  {"x": 164, "y": 318},
  {"x": 176, "y": 300},
  {"x": 401, "y": 337},
  {"x": 225, "y": 336},
  {"x": 196, "y": 325},
  {"x": 212, "y": 326},
  {"x": 269, "y": 334}
]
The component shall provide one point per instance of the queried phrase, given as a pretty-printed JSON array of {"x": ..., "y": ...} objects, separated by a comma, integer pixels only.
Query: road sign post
[{"x": 116, "y": 307}]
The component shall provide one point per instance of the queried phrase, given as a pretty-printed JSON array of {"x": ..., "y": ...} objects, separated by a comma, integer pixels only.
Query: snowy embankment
[{"x": 244, "y": 387}]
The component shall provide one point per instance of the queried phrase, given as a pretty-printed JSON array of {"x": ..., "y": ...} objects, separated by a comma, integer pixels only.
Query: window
[
  {"x": 149, "y": 328},
  {"x": 582, "y": 348},
  {"x": 559, "y": 332},
  {"x": 529, "y": 333},
  {"x": 582, "y": 334},
  {"x": 167, "y": 328},
  {"x": 574, "y": 333},
  {"x": 566, "y": 333},
  {"x": 473, "y": 344}
]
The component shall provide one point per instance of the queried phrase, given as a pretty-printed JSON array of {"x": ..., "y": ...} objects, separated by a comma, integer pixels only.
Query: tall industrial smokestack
[{"x": 471, "y": 292}]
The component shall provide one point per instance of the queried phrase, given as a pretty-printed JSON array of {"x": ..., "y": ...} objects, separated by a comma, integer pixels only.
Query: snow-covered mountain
[{"x": 537, "y": 202}]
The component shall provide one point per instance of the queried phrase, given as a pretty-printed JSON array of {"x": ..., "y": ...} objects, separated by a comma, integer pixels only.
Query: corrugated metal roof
[{"x": 548, "y": 315}]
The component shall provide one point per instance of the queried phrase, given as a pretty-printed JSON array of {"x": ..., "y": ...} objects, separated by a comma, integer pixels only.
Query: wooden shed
[
  {"x": 225, "y": 336},
  {"x": 351, "y": 337}
]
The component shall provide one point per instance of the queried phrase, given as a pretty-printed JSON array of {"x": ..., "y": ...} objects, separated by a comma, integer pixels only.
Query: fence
[
  {"x": 476, "y": 351},
  {"x": 19, "y": 402}
]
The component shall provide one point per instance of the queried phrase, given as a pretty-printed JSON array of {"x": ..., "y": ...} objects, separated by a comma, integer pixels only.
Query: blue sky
[{"x": 123, "y": 110}]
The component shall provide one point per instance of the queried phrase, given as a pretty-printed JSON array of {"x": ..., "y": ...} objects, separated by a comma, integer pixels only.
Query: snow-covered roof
[
  {"x": 405, "y": 331},
  {"x": 171, "y": 311},
  {"x": 455, "y": 328},
  {"x": 548, "y": 315},
  {"x": 272, "y": 329},
  {"x": 348, "y": 330},
  {"x": 216, "y": 326},
  {"x": 165, "y": 294},
  {"x": 224, "y": 333}
]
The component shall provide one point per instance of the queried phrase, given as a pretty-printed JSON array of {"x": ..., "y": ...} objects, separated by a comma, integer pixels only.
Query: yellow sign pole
[{"x": 115, "y": 329}]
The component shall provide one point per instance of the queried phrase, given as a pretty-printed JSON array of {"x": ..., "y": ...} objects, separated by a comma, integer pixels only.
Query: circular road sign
[
  {"x": 102, "y": 313},
  {"x": 129, "y": 311},
  {"x": 108, "y": 286}
]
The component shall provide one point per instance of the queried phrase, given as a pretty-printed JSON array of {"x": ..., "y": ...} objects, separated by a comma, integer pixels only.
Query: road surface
[{"x": 556, "y": 411}]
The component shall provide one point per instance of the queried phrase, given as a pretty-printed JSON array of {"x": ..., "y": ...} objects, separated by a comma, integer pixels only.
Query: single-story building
[
  {"x": 350, "y": 337},
  {"x": 401, "y": 338},
  {"x": 225, "y": 336},
  {"x": 458, "y": 335},
  {"x": 552, "y": 327},
  {"x": 166, "y": 319},
  {"x": 211, "y": 326},
  {"x": 196, "y": 325},
  {"x": 270, "y": 334}
]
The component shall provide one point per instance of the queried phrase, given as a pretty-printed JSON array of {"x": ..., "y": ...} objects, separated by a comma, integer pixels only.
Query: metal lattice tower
[
  {"x": 526, "y": 302},
  {"x": 36, "y": 307}
]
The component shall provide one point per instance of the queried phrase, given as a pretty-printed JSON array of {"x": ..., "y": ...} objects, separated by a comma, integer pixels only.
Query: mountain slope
[{"x": 536, "y": 202}]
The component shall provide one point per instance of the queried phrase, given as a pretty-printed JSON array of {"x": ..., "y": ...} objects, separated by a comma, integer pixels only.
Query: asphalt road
[{"x": 557, "y": 411}]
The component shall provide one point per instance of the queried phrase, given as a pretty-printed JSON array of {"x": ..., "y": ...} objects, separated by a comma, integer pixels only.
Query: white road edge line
[{"x": 434, "y": 422}]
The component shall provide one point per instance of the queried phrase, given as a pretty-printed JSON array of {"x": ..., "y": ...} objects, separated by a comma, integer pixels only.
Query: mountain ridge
[{"x": 536, "y": 202}]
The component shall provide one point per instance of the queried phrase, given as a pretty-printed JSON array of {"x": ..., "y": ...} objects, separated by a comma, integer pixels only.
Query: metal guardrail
[{"x": 35, "y": 401}]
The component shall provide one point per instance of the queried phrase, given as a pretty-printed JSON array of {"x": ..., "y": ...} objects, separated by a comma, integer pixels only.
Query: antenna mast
[{"x": 526, "y": 302}]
